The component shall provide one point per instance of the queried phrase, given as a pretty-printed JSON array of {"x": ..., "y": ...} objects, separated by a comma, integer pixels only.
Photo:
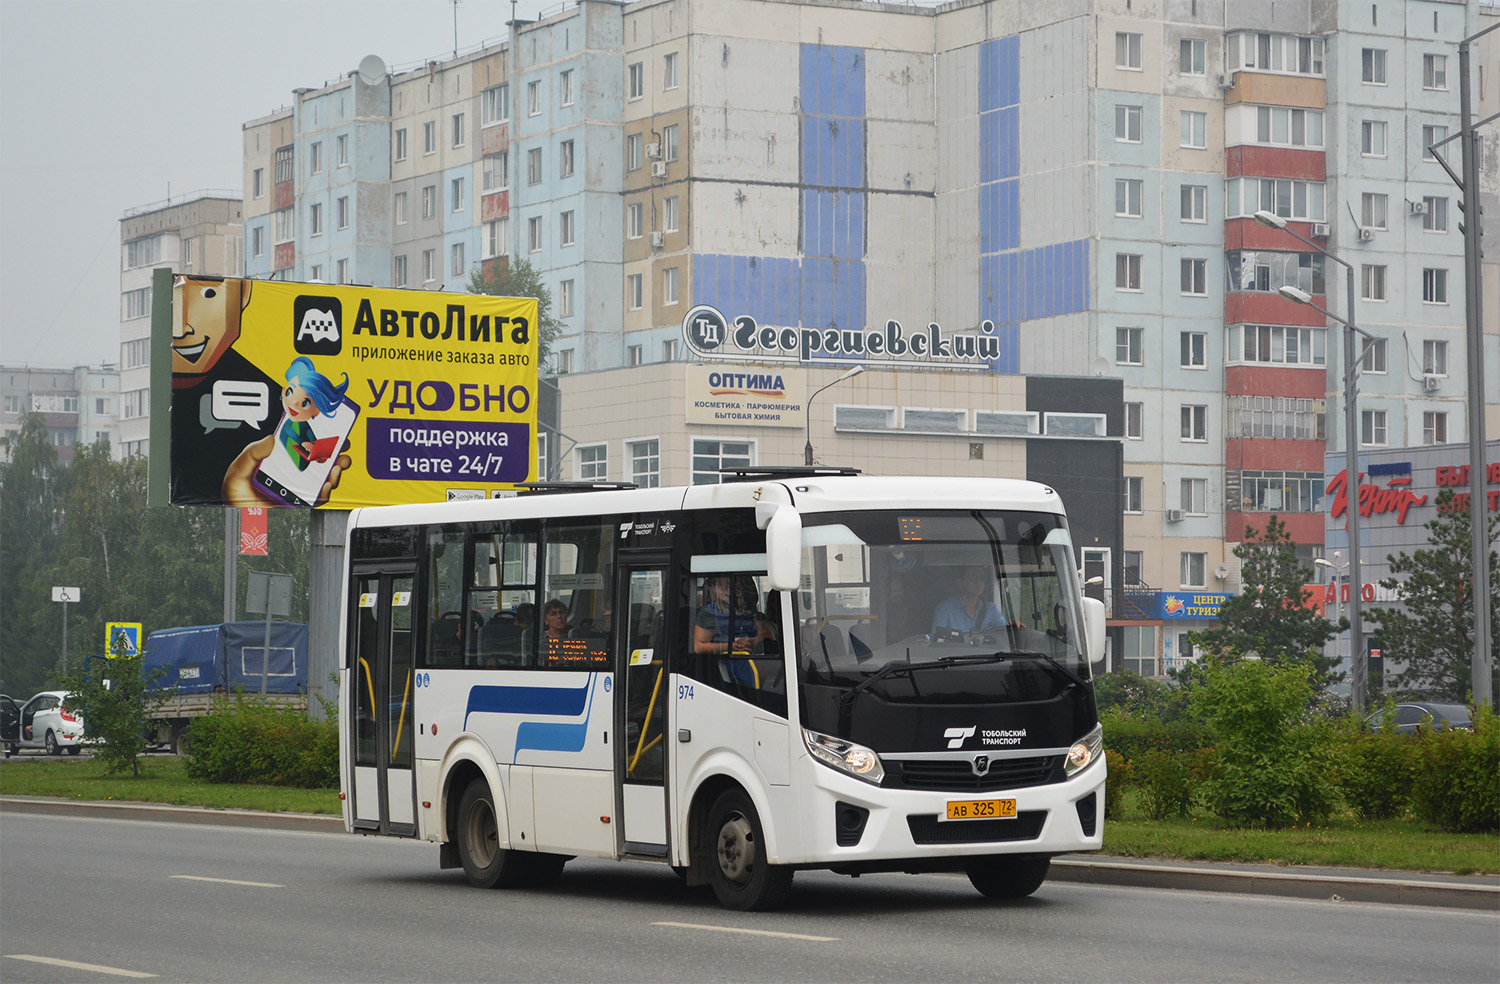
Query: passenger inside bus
[
  {"x": 555, "y": 622},
  {"x": 729, "y": 625}
]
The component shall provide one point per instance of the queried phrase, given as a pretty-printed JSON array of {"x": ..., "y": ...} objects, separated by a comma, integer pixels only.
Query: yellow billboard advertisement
[{"x": 312, "y": 395}]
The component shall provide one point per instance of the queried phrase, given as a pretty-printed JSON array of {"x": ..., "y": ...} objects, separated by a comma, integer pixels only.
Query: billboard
[{"x": 311, "y": 395}]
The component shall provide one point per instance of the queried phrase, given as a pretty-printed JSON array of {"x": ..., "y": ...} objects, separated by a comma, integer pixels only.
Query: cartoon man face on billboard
[{"x": 206, "y": 325}]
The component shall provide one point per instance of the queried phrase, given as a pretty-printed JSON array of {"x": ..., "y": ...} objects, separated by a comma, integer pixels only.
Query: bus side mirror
[
  {"x": 784, "y": 549},
  {"x": 1093, "y": 628}
]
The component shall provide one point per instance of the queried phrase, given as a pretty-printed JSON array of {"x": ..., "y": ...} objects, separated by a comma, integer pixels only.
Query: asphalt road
[{"x": 94, "y": 899}]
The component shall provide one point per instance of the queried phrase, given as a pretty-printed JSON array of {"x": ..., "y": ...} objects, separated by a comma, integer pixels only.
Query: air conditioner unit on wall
[
  {"x": 1418, "y": 208},
  {"x": 1320, "y": 230},
  {"x": 1366, "y": 235},
  {"x": 656, "y": 240},
  {"x": 1174, "y": 515},
  {"x": 659, "y": 169},
  {"x": 653, "y": 150},
  {"x": 1430, "y": 382}
]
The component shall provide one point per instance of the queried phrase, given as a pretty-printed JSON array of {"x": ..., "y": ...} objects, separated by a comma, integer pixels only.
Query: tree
[
  {"x": 1268, "y": 618},
  {"x": 117, "y": 704},
  {"x": 1432, "y": 633},
  {"x": 32, "y": 624},
  {"x": 515, "y": 277}
]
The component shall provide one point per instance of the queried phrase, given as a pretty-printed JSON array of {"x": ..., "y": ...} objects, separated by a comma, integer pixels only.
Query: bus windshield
[{"x": 972, "y": 606}]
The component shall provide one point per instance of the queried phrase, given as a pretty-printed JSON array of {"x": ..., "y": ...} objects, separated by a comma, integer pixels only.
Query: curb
[{"x": 1337, "y": 885}]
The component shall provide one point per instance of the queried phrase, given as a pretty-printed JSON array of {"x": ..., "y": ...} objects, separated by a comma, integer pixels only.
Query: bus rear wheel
[
  {"x": 1007, "y": 877},
  {"x": 485, "y": 862},
  {"x": 741, "y": 877}
]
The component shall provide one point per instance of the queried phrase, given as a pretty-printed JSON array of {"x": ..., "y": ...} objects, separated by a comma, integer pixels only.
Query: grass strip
[{"x": 164, "y": 779}]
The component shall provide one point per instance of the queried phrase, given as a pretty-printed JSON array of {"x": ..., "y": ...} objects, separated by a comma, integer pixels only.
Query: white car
[{"x": 44, "y": 721}]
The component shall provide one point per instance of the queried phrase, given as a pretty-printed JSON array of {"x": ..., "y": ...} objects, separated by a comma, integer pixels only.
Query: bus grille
[
  {"x": 957, "y": 775},
  {"x": 926, "y": 828}
]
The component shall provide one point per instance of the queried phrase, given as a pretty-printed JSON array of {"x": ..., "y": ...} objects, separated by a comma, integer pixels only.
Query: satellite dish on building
[
  {"x": 371, "y": 70},
  {"x": 1101, "y": 366}
]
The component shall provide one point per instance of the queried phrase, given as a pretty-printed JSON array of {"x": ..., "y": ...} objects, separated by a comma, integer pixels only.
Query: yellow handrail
[
  {"x": 640, "y": 745},
  {"x": 401, "y": 721},
  {"x": 369, "y": 683}
]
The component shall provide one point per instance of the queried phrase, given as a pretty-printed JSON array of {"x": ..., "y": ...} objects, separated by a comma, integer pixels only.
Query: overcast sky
[{"x": 110, "y": 104}]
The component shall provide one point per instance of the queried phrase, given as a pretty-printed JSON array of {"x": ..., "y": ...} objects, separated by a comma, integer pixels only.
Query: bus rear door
[
  {"x": 642, "y": 697},
  {"x": 381, "y": 675}
]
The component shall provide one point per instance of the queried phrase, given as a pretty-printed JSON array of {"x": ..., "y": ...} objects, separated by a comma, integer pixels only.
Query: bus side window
[
  {"x": 736, "y": 641},
  {"x": 446, "y": 620}
]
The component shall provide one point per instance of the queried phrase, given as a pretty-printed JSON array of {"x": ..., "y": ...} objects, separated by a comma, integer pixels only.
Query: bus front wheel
[
  {"x": 487, "y": 864},
  {"x": 741, "y": 877},
  {"x": 1007, "y": 877}
]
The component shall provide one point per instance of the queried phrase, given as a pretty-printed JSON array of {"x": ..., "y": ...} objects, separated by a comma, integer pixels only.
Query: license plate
[{"x": 981, "y": 809}]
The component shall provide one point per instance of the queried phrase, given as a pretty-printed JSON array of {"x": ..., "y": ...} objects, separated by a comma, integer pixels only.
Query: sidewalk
[{"x": 1334, "y": 884}]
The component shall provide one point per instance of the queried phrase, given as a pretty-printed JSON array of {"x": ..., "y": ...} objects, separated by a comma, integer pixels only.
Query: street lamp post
[
  {"x": 807, "y": 450},
  {"x": 1351, "y": 446},
  {"x": 1334, "y": 567}
]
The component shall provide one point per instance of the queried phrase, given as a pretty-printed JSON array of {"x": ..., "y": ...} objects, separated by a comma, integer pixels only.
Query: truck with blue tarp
[{"x": 203, "y": 662}]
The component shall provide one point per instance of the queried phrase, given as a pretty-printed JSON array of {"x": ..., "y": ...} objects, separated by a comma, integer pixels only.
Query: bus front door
[
  {"x": 381, "y": 675},
  {"x": 641, "y": 704}
]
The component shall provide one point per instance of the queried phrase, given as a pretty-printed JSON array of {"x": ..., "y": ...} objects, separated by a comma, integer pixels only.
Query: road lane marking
[
  {"x": 749, "y": 932},
  {"x": 75, "y": 965},
  {"x": 228, "y": 881}
]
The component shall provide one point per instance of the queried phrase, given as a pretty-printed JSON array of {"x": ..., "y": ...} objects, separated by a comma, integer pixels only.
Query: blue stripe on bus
[
  {"x": 549, "y": 737},
  {"x": 558, "y": 701}
]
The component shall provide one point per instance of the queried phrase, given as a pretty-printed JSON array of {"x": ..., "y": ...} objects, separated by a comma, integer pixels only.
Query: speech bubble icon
[
  {"x": 236, "y": 400},
  {"x": 207, "y": 419}
]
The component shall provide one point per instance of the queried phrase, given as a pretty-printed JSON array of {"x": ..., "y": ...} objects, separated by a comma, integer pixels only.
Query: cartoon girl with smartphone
[{"x": 308, "y": 393}]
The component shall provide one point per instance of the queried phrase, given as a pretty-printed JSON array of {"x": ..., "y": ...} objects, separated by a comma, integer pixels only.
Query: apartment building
[{"x": 78, "y": 405}]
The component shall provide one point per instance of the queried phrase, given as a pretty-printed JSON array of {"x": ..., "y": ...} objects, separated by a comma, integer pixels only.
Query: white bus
[{"x": 797, "y": 668}]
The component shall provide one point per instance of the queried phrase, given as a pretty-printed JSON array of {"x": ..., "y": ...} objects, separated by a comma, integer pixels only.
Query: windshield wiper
[
  {"x": 892, "y": 669},
  {"x": 1050, "y": 661}
]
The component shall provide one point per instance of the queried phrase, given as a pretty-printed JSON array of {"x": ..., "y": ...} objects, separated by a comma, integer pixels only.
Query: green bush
[
  {"x": 244, "y": 740},
  {"x": 1133, "y": 736},
  {"x": 1114, "y": 786},
  {"x": 1457, "y": 785},
  {"x": 1378, "y": 770},
  {"x": 1138, "y": 696},
  {"x": 1165, "y": 783},
  {"x": 1272, "y": 758}
]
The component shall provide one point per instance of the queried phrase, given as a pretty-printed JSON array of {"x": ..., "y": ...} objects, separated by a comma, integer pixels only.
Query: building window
[
  {"x": 137, "y": 303},
  {"x": 669, "y": 286},
  {"x": 565, "y": 228},
  {"x": 564, "y": 362},
  {"x": 1194, "y": 349},
  {"x": 593, "y": 462},
  {"x": 1372, "y": 281},
  {"x": 1280, "y": 491},
  {"x": 1192, "y": 56},
  {"x": 1135, "y": 414},
  {"x": 429, "y": 265},
  {"x": 565, "y": 87},
  {"x": 669, "y": 143},
  {"x": 1372, "y": 428},
  {"x": 534, "y": 234},
  {"x": 1373, "y": 66},
  {"x": 1129, "y": 346},
  {"x": 284, "y": 223},
  {"x": 669, "y": 71},
  {"x": 1372, "y": 138},
  {"x": 633, "y": 217},
  {"x": 1128, "y": 51},
  {"x": 1193, "y": 570},
  {"x": 1434, "y": 285},
  {"x": 496, "y": 237},
  {"x": 1375, "y": 359},
  {"x": 1195, "y": 203},
  {"x": 456, "y": 260},
  {"x": 315, "y": 157},
  {"x": 534, "y": 98},
  {"x": 1284, "y": 53},
  {"x": 1135, "y": 494},
  {"x": 257, "y": 241},
  {"x": 429, "y": 138},
  {"x": 1278, "y": 344},
  {"x": 534, "y": 165},
  {"x": 1127, "y": 271},
  {"x": 637, "y": 80},
  {"x": 1435, "y": 72},
  {"x": 400, "y": 152},
  {"x": 341, "y": 150},
  {"x": 142, "y": 252},
  {"x": 565, "y": 159},
  {"x": 398, "y": 208},
  {"x": 1432, "y": 135},
  {"x": 669, "y": 350},
  {"x": 633, "y": 292},
  {"x": 1194, "y": 422},
  {"x": 1195, "y": 276},
  {"x": 1434, "y": 358},
  {"x": 283, "y": 164},
  {"x": 456, "y": 194},
  {"x": 633, "y": 152},
  {"x": 458, "y": 129},
  {"x": 1434, "y": 427},
  {"x": 1286, "y": 197},
  {"x": 133, "y": 354},
  {"x": 1127, "y": 124},
  {"x": 669, "y": 214},
  {"x": 258, "y": 182},
  {"x": 494, "y": 104},
  {"x": 315, "y": 219},
  {"x": 341, "y": 268},
  {"x": 635, "y": 355},
  {"x": 398, "y": 271},
  {"x": 493, "y": 172},
  {"x": 1128, "y": 197},
  {"x": 565, "y": 299},
  {"x": 541, "y": 456},
  {"x": 1435, "y": 214},
  {"x": 1194, "y": 129},
  {"x": 710, "y": 455},
  {"x": 341, "y": 207},
  {"x": 1374, "y": 210},
  {"x": 645, "y": 459},
  {"x": 429, "y": 201},
  {"x": 1287, "y": 127},
  {"x": 1195, "y": 496}
]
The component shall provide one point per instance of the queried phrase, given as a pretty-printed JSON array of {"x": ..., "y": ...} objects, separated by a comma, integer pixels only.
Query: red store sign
[{"x": 1396, "y": 496}]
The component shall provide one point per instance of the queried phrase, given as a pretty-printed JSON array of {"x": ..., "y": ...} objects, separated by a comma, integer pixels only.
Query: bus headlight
[
  {"x": 846, "y": 756},
  {"x": 1085, "y": 751}
]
